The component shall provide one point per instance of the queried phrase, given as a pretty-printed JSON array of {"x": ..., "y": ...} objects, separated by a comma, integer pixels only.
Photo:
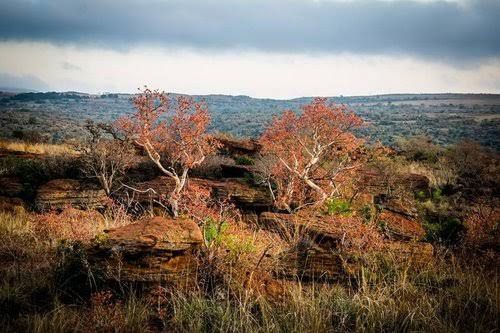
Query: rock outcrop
[
  {"x": 150, "y": 250},
  {"x": 326, "y": 242},
  {"x": 232, "y": 146},
  {"x": 399, "y": 227},
  {"x": 61, "y": 193},
  {"x": 310, "y": 264},
  {"x": 10, "y": 186},
  {"x": 244, "y": 196}
]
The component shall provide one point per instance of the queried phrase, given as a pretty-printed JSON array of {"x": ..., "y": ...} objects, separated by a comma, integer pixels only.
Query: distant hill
[{"x": 446, "y": 118}]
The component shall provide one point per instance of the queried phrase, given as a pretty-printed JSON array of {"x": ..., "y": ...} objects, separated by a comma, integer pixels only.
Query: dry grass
[
  {"x": 388, "y": 296},
  {"x": 36, "y": 148}
]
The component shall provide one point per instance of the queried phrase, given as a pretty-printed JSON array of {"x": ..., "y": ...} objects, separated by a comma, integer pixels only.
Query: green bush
[
  {"x": 337, "y": 206},
  {"x": 243, "y": 160},
  {"x": 213, "y": 231},
  {"x": 443, "y": 229}
]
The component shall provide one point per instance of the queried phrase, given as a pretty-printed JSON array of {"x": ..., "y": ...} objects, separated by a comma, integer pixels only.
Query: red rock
[
  {"x": 150, "y": 250},
  {"x": 60, "y": 193},
  {"x": 241, "y": 194},
  {"x": 399, "y": 227}
]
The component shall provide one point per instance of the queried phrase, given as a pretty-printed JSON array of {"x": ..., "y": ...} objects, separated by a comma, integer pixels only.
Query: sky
[{"x": 260, "y": 48}]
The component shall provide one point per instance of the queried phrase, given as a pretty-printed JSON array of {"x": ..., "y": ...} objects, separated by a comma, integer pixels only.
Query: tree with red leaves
[
  {"x": 310, "y": 153},
  {"x": 172, "y": 133}
]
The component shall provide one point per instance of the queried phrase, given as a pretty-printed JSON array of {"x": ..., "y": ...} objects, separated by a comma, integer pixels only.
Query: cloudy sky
[{"x": 262, "y": 48}]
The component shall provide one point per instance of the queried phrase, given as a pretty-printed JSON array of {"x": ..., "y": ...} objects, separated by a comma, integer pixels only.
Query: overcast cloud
[
  {"x": 262, "y": 48},
  {"x": 432, "y": 29}
]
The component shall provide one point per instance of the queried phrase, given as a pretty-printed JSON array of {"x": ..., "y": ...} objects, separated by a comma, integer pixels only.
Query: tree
[
  {"x": 104, "y": 158},
  {"x": 313, "y": 152},
  {"x": 173, "y": 135}
]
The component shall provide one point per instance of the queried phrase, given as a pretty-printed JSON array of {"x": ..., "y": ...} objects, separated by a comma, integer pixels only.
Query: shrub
[
  {"x": 336, "y": 206},
  {"x": 444, "y": 229},
  {"x": 244, "y": 160}
]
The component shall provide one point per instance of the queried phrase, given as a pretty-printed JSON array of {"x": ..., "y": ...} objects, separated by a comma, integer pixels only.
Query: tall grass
[
  {"x": 36, "y": 148},
  {"x": 385, "y": 296}
]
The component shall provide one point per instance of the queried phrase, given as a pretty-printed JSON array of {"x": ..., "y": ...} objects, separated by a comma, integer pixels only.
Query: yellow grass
[{"x": 36, "y": 148}]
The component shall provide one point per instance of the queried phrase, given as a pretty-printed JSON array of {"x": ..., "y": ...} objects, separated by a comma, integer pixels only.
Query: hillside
[{"x": 446, "y": 118}]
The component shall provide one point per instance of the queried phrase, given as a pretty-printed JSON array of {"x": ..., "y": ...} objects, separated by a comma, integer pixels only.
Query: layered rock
[
  {"x": 310, "y": 264},
  {"x": 236, "y": 190},
  {"x": 326, "y": 242},
  {"x": 236, "y": 170},
  {"x": 10, "y": 186},
  {"x": 150, "y": 250},
  {"x": 399, "y": 227},
  {"x": 60, "y": 193},
  {"x": 232, "y": 146},
  {"x": 397, "y": 205}
]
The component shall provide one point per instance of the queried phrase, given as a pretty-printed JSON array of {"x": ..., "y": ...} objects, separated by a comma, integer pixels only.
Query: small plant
[
  {"x": 367, "y": 213},
  {"x": 337, "y": 206},
  {"x": 420, "y": 195},
  {"x": 437, "y": 195},
  {"x": 445, "y": 229},
  {"x": 213, "y": 231},
  {"x": 243, "y": 160}
]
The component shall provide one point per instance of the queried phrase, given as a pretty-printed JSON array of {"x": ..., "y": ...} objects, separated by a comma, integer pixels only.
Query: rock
[
  {"x": 416, "y": 253},
  {"x": 326, "y": 240},
  {"x": 60, "y": 193},
  {"x": 399, "y": 227},
  {"x": 310, "y": 264},
  {"x": 12, "y": 205},
  {"x": 236, "y": 171},
  {"x": 289, "y": 226},
  {"x": 416, "y": 182},
  {"x": 244, "y": 196},
  {"x": 10, "y": 186},
  {"x": 397, "y": 205},
  {"x": 375, "y": 182},
  {"x": 151, "y": 250},
  {"x": 239, "y": 146}
]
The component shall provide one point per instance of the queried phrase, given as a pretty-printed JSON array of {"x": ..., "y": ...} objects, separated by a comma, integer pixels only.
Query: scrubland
[{"x": 290, "y": 232}]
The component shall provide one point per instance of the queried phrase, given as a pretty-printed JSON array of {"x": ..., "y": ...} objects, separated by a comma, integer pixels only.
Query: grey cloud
[
  {"x": 8, "y": 82},
  {"x": 69, "y": 66},
  {"x": 439, "y": 30}
]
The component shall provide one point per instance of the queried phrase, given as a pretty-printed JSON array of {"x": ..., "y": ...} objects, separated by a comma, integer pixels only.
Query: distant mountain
[{"x": 446, "y": 118}]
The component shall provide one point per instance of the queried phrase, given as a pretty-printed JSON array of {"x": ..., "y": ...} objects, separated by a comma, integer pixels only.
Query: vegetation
[
  {"x": 446, "y": 118},
  {"x": 308, "y": 229}
]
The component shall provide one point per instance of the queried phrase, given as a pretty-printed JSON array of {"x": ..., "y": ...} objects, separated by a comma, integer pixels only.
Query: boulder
[
  {"x": 150, "y": 250},
  {"x": 399, "y": 227},
  {"x": 61, "y": 193},
  {"x": 309, "y": 264},
  {"x": 233, "y": 146},
  {"x": 327, "y": 242},
  {"x": 397, "y": 205},
  {"x": 11, "y": 186},
  {"x": 289, "y": 226}
]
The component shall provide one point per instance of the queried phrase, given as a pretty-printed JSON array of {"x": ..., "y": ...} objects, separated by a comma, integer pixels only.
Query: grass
[
  {"x": 36, "y": 148},
  {"x": 386, "y": 296}
]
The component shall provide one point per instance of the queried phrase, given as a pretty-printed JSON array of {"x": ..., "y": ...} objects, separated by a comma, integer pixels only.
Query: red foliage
[
  {"x": 71, "y": 224},
  {"x": 483, "y": 228},
  {"x": 312, "y": 152},
  {"x": 199, "y": 204},
  {"x": 173, "y": 134}
]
